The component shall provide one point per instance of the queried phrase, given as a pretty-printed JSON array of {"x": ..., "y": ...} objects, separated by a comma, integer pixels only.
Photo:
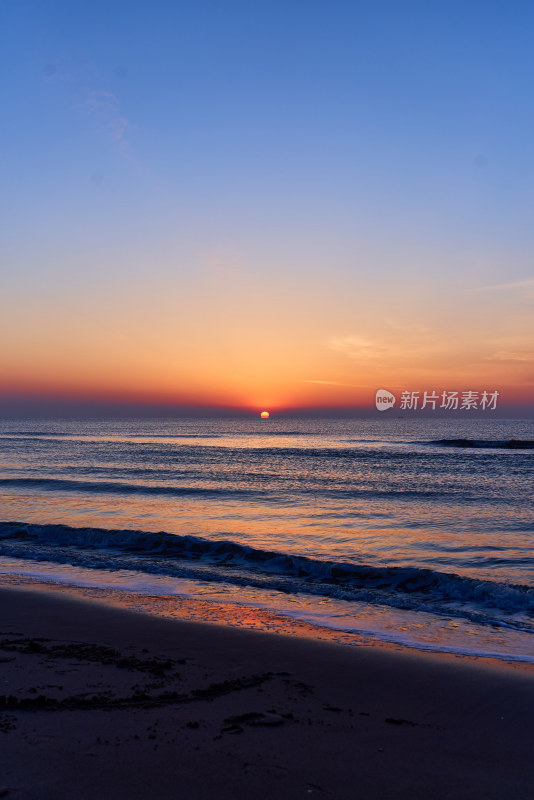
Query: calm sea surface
[{"x": 416, "y": 531}]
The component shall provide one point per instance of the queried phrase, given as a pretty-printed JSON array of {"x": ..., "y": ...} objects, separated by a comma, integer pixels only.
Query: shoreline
[
  {"x": 227, "y": 613},
  {"x": 103, "y": 701},
  {"x": 412, "y": 606}
]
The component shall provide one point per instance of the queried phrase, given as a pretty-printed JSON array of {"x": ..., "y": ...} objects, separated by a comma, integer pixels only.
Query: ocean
[{"x": 416, "y": 531}]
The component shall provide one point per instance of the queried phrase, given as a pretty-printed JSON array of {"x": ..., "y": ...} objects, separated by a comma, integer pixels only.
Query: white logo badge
[{"x": 384, "y": 400}]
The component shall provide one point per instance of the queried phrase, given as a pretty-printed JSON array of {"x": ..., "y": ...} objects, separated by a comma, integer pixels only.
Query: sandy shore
[{"x": 99, "y": 702}]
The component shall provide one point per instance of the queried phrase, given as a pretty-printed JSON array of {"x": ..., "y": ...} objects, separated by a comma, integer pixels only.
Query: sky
[{"x": 284, "y": 204}]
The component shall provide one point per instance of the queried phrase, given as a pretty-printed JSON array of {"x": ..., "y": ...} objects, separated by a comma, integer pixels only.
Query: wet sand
[{"x": 101, "y": 702}]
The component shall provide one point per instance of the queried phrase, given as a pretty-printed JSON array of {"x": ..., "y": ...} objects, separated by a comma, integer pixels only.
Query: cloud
[
  {"x": 328, "y": 383},
  {"x": 526, "y": 284},
  {"x": 101, "y": 101},
  {"x": 401, "y": 345},
  {"x": 512, "y": 355},
  {"x": 104, "y": 107},
  {"x": 357, "y": 347},
  {"x": 117, "y": 127}
]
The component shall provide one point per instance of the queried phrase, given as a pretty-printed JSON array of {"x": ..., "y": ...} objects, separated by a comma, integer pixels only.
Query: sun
[{"x": 264, "y": 415}]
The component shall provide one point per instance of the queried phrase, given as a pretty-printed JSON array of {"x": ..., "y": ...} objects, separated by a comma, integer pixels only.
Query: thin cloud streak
[
  {"x": 104, "y": 107},
  {"x": 330, "y": 383},
  {"x": 511, "y": 355},
  {"x": 526, "y": 284}
]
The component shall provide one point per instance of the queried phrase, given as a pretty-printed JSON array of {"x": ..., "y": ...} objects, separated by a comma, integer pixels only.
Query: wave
[
  {"x": 409, "y": 587},
  {"x": 148, "y": 434},
  {"x": 503, "y": 444},
  {"x": 267, "y": 495},
  {"x": 62, "y": 485},
  {"x": 8, "y": 433},
  {"x": 120, "y": 438}
]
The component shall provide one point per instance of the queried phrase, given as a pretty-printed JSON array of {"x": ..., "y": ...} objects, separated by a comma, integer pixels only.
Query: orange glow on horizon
[
  {"x": 325, "y": 349},
  {"x": 307, "y": 401}
]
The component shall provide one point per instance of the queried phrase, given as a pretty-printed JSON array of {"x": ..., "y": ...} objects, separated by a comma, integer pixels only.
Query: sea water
[{"x": 417, "y": 531}]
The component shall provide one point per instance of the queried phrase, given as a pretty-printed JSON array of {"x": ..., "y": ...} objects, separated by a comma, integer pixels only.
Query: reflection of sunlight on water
[
  {"x": 276, "y": 611},
  {"x": 362, "y": 532},
  {"x": 368, "y": 493}
]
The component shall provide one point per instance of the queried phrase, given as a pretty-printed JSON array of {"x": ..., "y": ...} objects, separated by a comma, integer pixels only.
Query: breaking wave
[{"x": 485, "y": 602}]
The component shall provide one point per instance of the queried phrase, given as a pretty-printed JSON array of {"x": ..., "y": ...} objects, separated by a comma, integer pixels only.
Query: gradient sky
[{"x": 266, "y": 204}]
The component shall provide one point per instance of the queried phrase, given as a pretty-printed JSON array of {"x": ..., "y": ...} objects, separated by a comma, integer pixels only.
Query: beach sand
[{"x": 102, "y": 702}]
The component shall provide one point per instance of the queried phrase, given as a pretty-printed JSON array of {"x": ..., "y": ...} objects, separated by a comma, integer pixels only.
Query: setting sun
[{"x": 264, "y": 415}]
